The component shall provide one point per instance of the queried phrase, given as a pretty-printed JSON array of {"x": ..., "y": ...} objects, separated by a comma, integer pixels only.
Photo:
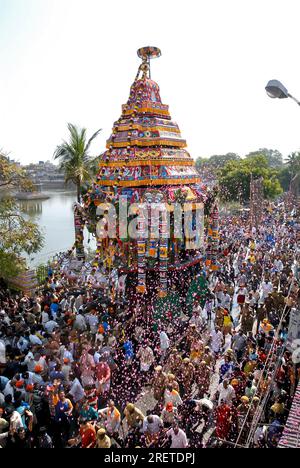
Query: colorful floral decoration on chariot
[{"x": 145, "y": 162}]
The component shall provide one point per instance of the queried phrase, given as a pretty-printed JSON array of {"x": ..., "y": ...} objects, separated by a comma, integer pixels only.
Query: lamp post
[{"x": 276, "y": 90}]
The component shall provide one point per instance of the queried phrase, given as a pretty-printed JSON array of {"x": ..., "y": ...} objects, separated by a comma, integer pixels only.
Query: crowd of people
[{"x": 80, "y": 370}]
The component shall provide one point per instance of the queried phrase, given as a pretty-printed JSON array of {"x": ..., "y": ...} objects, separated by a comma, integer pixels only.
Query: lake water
[{"x": 56, "y": 220}]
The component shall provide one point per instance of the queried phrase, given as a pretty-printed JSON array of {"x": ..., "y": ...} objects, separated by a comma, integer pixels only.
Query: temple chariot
[{"x": 153, "y": 218}]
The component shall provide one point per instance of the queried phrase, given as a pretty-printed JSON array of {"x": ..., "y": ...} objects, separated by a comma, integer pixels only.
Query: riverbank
[
  {"x": 55, "y": 218},
  {"x": 21, "y": 196}
]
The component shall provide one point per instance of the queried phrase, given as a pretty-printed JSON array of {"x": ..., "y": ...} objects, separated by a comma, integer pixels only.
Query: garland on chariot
[{"x": 146, "y": 165}]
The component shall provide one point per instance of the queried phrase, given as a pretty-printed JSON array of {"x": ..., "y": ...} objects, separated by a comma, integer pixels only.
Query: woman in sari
[
  {"x": 223, "y": 421},
  {"x": 87, "y": 367}
]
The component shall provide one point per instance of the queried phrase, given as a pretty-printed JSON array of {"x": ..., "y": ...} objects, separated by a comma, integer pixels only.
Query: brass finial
[{"x": 147, "y": 54}]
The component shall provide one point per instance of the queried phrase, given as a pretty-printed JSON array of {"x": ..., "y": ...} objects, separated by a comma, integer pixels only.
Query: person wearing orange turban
[
  {"x": 38, "y": 369},
  {"x": 20, "y": 383}
]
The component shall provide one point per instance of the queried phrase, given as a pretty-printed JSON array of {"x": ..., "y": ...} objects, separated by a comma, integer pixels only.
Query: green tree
[
  {"x": 17, "y": 235},
  {"x": 12, "y": 175},
  {"x": 74, "y": 158},
  {"x": 200, "y": 162},
  {"x": 273, "y": 157},
  {"x": 219, "y": 161},
  {"x": 285, "y": 178},
  {"x": 235, "y": 177},
  {"x": 293, "y": 163},
  {"x": 216, "y": 162}
]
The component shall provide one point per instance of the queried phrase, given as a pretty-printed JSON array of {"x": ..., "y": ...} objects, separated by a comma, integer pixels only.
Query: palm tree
[
  {"x": 74, "y": 158},
  {"x": 293, "y": 161}
]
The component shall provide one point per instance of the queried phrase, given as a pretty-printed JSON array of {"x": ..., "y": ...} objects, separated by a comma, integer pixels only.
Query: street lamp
[{"x": 276, "y": 90}]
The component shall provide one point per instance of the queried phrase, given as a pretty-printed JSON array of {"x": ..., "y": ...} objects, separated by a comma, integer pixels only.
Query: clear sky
[{"x": 74, "y": 61}]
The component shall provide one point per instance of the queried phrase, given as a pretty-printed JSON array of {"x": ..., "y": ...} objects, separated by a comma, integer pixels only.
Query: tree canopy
[
  {"x": 273, "y": 157},
  {"x": 12, "y": 175},
  {"x": 235, "y": 177},
  {"x": 293, "y": 163},
  {"x": 18, "y": 236},
  {"x": 216, "y": 161},
  {"x": 233, "y": 173}
]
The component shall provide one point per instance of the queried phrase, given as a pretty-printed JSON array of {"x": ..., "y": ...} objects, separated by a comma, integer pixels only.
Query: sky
[{"x": 74, "y": 61}]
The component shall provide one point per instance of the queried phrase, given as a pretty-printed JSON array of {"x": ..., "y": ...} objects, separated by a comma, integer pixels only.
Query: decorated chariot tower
[{"x": 147, "y": 174}]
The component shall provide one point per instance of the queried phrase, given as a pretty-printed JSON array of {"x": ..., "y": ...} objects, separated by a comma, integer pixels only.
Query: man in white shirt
[
  {"x": 267, "y": 288},
  {"x": 164, "y": 344},
  {"x": 152, "y": 424},
  {"x": 178, "y": 438},
  {"x": 226, "y": 301},
  {"x": 38, "y": 361},
  {"x": 78, "y": 302},
  {"x": 66, "y": 353},
  {"x": 33, "y": 378},
  {"x": 9, "y": 389},
  {"x": 226, "y": 393},
  {"x": 111, "y": 417},
  {"x": 50, "y": 326},
  {"x": 29, "y": 361},
  {"x": 36, "y": 308},
  {"x": 146, "y": 356},
  {"x": 196, "y": 318},
  {"x": 220, "y": 297},
  {"x": 45, "y": 317},
  {"x": 34, "y": 340},
  {"x": 97, "y": 355},
  {"x": 80, "y": 323},
  {"x": 23, "y": 344},
  {"x": 122, "y": 285},
  {"x": 172, "y": 396},
  {"x": 93, "y": 322},
  {"x": 16, "y": 421},
  {"x": 217, "y": 340},
  {"x": 197, "y": 308},
  {"x": 278, "y": 265},
  {"x": 5, "y": 318},
  {"x": 64, "y": 305},
  {"x": 77, "y": 390}
]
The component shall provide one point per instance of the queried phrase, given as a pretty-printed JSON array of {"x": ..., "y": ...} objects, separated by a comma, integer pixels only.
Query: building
[{"x": 46, "y": 176}]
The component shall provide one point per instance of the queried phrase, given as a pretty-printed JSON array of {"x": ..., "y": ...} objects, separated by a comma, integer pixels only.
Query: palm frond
[
  {"x": 92, "y": 139},
  {"x": 73, "y": 156}
]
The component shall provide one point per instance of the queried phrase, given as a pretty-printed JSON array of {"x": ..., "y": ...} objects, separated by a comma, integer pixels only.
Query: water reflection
[
  {"x": 55, "y": 218},
  {"x": 31, "y": 208}
]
